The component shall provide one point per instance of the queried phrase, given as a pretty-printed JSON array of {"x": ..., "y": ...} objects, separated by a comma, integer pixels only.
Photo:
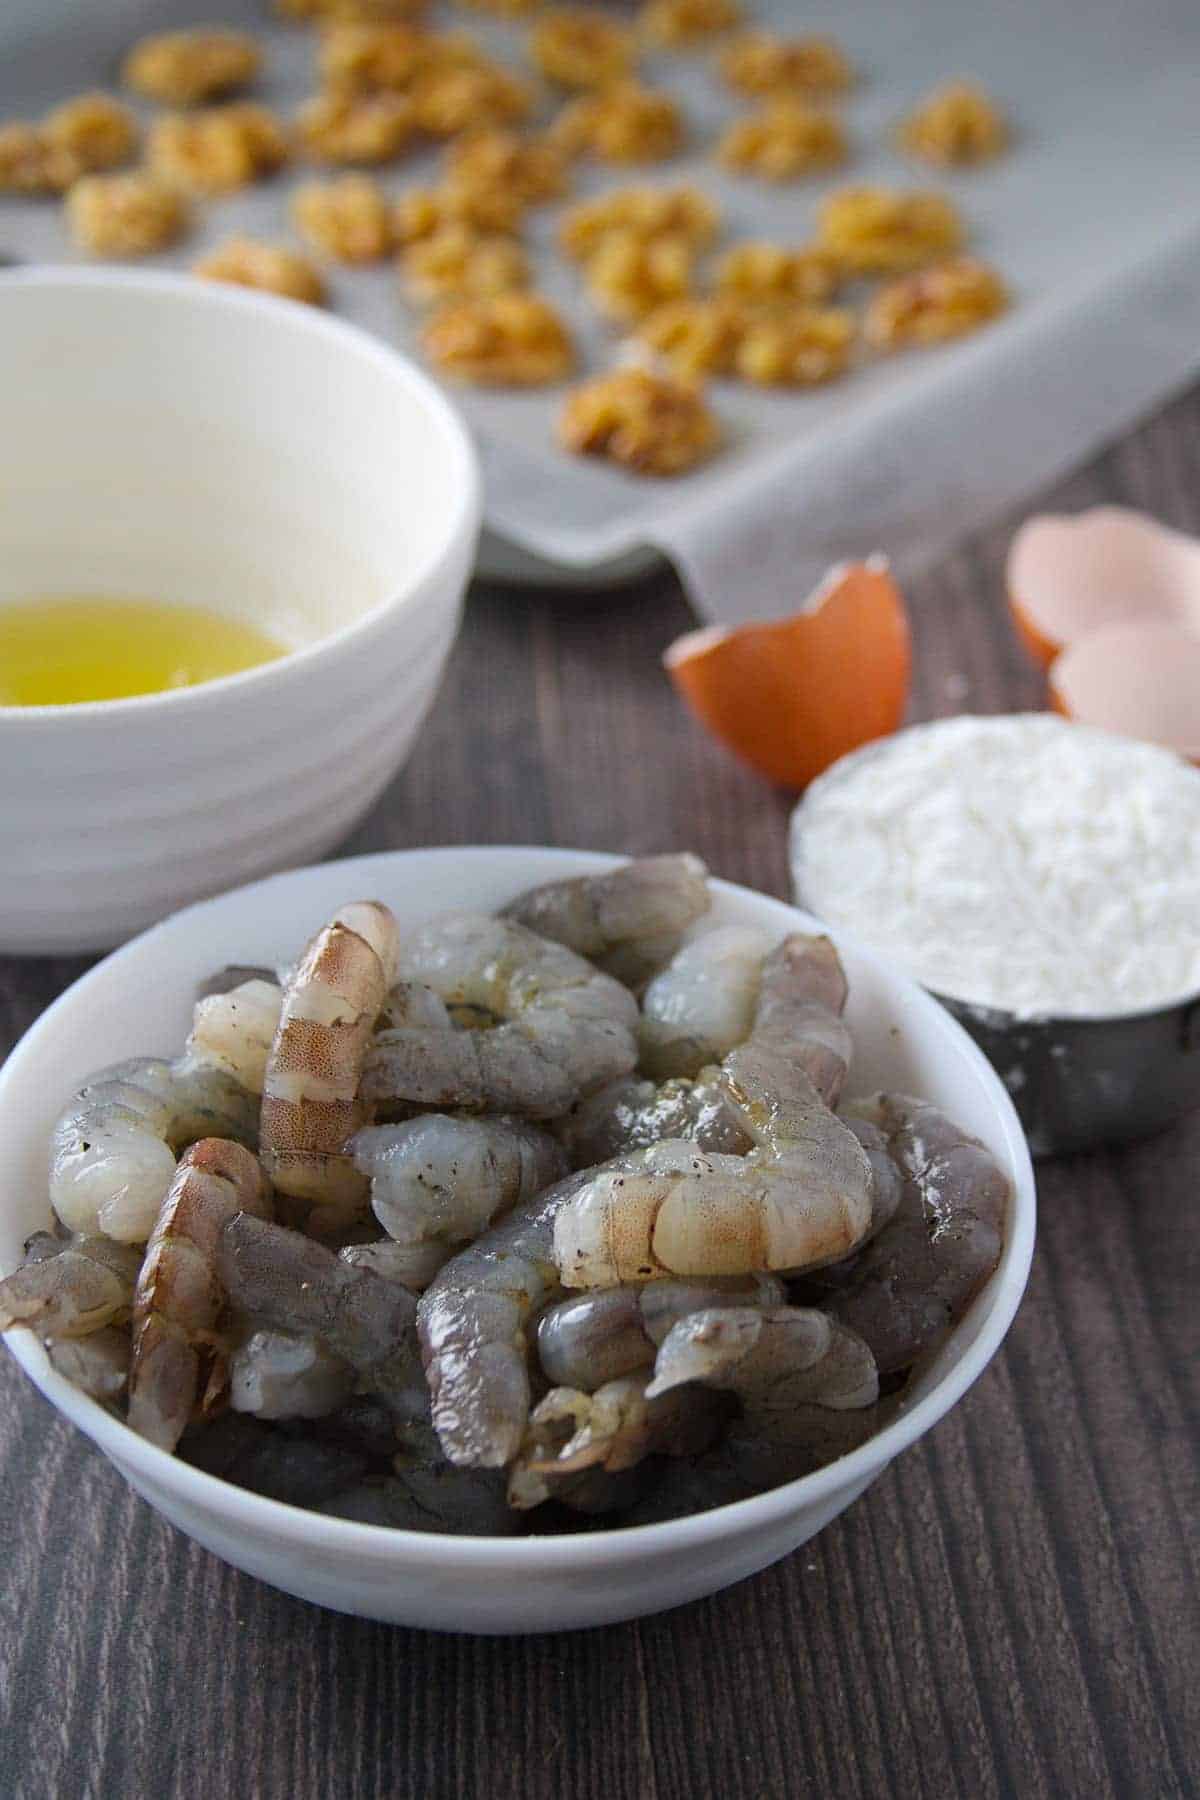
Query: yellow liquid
[{"x": 57, "y": 652}]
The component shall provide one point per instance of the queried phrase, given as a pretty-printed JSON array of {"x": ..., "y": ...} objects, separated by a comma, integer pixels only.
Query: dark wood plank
[{"x": 1010, "y": 1611}]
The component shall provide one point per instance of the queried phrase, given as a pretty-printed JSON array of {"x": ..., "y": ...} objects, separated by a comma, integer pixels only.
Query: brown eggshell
[
  {"x": 792, "y": 695},
  {"x": 1138, "y": 678},
  {"x": 1071, "y": 575}
]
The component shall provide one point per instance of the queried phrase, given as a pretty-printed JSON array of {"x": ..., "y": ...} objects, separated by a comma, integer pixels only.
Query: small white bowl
[
  {"x": 171, "y": 439},
  {"x": 139, "y": 1001}
]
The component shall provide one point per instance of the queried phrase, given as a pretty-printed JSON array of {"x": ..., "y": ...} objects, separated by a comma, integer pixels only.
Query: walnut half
[
  {"x": 941, "y": 302},
  {"x": 511, "y": 340},
  {"x": 649, "y": 424},
  {"x": 270, "y": 267},
  {"x": 786, "y": 138},
  {"x": 879, "y": 231},
  {"x": 958, "y": 123}
]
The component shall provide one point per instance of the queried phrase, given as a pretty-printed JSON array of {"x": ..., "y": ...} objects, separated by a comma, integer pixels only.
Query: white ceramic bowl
[
  {"x": 139, "y": 1000},
  {"x": 173, "y": 439}
]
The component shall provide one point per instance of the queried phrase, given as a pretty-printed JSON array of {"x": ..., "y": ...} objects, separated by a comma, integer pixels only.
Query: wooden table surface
[{"x": 1012, "y": 1609}]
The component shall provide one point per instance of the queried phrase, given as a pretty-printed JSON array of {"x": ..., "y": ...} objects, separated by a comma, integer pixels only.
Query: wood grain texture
[{"x": 1012, "y": 1610}]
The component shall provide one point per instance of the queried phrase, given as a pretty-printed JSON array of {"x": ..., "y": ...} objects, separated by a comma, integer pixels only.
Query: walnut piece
[
  {"x": 671, "y": 23},
  {"x": 420, "y": 212},
  {"x": 273, "y": 268},
  {"x": 126, "y": 215},
  {"x": 348, "y": 219},
  {"x": 650, "y": 424},
  {"x": 772, "y": 274},
  {"x": 697, "y": 337},
  {"x": 356, "y": 128},
  {"x": 784, "y": 139},
  {"x": 937, "y": 303},
  {"x": 355, "y": 11},
  {"x": 957, "y": 123},
  {"x": 372, "y": 58},
  {"x": 533, "y": 169},
  {"x": 184, "y": 68},
  {"x": 881, "y": 231},
  {"x": 29, "y": 165},
  {"x": 450, "y": 99},
  {"x": 683, "y": 212},
  {"x": 83, "y": 136},
  {"x": 759, "y": 63},
  {"x": 511, "y": 340},
  {"x": 504, "y": 9},
  {"x": 218, "y": 150},
  {"x": 626, "y": 123},
  {"x": 630, "y": 275},
  {"x": 579, "y": 49},
  {"x": 457, "y": 263},
  {"x": 800, "y": 347},
  {"x": 93, "y": 130}
]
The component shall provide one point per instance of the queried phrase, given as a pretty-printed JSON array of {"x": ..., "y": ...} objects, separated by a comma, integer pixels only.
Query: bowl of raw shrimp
[{"x": 505, "y": 1240}]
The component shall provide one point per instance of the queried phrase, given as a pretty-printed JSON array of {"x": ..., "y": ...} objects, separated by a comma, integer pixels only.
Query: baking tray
[{"x": 1094, "y": 217}]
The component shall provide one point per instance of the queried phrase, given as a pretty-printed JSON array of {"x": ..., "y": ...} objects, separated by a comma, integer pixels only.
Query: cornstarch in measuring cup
[{"x": 1020, "y": 862}]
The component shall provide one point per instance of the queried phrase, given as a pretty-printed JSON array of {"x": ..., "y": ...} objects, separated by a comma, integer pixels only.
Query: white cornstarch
[{"x": 1020, "y": 862}]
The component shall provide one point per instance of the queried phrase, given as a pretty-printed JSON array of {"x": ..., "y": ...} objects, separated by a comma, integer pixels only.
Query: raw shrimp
[
  {"x": 472, "y": 1324},
  {"x": 285, "y": 1280},
  {"x": 566, "y": 1030},
  {"x": 632, "y": 1113},
  {"x": 98, "y": 1364},
  {"x": 801, "y": 1197},
  {"x": 177, "y": 1355},
  {"x": 269, "y": 1460},
  {"x": 593, "y": 1338},
  {"x": 439, "y": 1497},
  {"x": 114, "y": 1146},
  {"x": 801, "y": 997},
  {"x": 807, "y": 1389},
  {"x": 627, "y": 922},
  {"x": 612, "y": 1429},
  {"x": 234, "y": 1029},
  {"x": 69, "y": 1287},
  {"x": 703, "y": 1002},
  {"x": 287, "y": 1375},
  {"x": 916, "y": 1278},
  {"x": 800, "y": 991},
  {"x": 437, "y": 1182},
  {"x": 310, "y": 1091}
]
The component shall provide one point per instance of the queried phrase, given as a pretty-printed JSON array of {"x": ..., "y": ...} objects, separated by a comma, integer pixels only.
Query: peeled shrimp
[
  {"x": 628, "y": 922},
  {"x": 287, "y": 1281},
  {"x": 437, "y": 1182},
  {"x": 234, "y": 1029},
  {"x": 472, "y": 1324},
  {"x": 915, "y": 1279},
  {"x": 702, "y": 1003},
  {"x": 180, "y": 1299},
  {"x": 633, "y": 1112},
  {"x": 777, "y": 1361},
  {"x": 287, "y": 1375},
  {"x": 566, "y": 1030},
  {"x": 98, "y": 1364},
  {"x": 593, "y": 1338},
  {"x": 800, "y": 990},
  {"x": 612, "y": 1429},
  {"x": 801, "y": 1197},
  {"x": 310, "y": 1091},
  {"x": 69, "y": 1287},
  {"x": 114, "y": 1146}
]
